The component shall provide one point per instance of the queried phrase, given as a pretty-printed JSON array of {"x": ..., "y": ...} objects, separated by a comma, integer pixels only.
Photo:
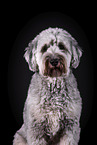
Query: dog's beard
[{"x": 55, "y": 71}]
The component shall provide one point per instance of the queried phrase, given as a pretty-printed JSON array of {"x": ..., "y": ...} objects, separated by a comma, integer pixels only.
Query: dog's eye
[
  {"x": 44, "y": 48},
  {"x": 62, "y": 47}
]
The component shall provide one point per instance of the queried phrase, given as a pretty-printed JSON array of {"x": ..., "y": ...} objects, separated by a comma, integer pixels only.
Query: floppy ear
[
  {"x": 30, "y": 56},
  {"x": 76, "y": 51},
  {"x": 76, "y": 54}
]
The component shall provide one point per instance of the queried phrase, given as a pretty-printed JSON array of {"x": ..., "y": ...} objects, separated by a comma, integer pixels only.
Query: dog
[{"x": 53, "y": 106}]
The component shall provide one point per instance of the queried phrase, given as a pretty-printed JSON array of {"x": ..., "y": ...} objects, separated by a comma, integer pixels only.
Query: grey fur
[{"x": 51, "y": 113}]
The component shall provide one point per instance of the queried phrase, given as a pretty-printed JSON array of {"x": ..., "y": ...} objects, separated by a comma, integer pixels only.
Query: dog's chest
[
  {"x": 53, "y": 104},
  {"x": 53, "y": 96}
]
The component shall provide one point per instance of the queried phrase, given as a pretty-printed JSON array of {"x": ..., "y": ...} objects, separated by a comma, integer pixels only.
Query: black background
[{"x": 15, "y": 75}]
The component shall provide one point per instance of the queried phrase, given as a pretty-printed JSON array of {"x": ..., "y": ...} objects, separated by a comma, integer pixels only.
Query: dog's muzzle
[{"x": 55, "y": 67}]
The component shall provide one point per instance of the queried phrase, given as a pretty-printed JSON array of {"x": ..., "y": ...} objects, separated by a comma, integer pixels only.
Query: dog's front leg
[
  {"x": 71, "y": 137},
  {"x": 34, "y": 137},
  {"x": 20, "y": 137}
]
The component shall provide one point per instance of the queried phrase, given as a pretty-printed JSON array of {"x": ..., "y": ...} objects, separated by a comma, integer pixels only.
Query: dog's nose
[{"x": 54, "y": 62}]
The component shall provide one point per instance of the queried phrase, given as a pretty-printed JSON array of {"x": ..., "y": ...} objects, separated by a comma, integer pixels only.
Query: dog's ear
[
  {"x": 30, "y": 56},
  {"x": 76, "y": 51},
  {"x": 76, "y": 54}
]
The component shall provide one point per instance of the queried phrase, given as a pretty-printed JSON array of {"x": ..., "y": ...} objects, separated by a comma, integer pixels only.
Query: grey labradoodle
[{"x": 53, "y": 106}]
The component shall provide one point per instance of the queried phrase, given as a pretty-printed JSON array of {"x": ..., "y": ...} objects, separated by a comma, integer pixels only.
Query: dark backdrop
[{"x": 18, "y": 74}]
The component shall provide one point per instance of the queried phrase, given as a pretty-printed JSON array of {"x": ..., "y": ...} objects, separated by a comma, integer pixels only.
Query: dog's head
[{"x": 53, "y": 52}]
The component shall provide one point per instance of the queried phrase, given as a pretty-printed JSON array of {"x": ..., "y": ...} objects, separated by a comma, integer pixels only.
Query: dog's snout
[{"x": 54, "y": 62}]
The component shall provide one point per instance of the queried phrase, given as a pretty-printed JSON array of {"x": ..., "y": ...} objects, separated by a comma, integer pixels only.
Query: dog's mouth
[{"x": 55, "y": 67}]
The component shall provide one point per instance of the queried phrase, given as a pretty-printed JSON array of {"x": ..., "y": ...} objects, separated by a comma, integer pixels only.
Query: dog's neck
[
  {"x": 54, "y": 92},
  {"x": 55, "y": 84}
]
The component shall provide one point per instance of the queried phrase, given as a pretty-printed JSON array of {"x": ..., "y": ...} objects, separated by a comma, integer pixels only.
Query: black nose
[{"x": 54, "y": 62}]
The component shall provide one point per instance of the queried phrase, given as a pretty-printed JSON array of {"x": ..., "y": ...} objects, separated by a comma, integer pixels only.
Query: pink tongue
[{"x": 55, "y": 72}]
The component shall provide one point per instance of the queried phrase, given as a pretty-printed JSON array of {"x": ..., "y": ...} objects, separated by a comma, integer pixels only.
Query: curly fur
[{"x": 53, "y": 106}]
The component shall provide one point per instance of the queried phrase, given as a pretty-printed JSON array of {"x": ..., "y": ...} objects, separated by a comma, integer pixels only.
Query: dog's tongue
[{"x": 55, "y": 72}]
